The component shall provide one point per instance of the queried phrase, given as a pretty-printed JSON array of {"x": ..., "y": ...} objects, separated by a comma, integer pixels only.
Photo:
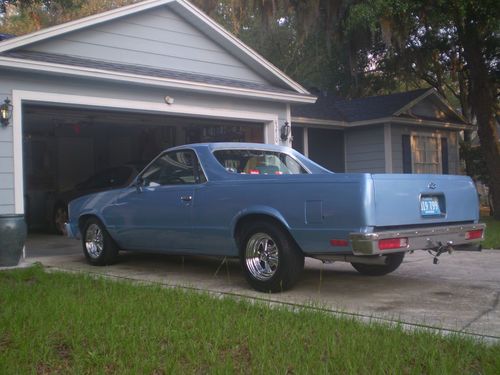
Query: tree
[
  {"x": 25, "y": 16},
  {"x": 451, "y": 44}
]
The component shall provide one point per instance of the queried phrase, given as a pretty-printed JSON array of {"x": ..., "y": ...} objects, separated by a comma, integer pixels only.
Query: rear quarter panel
[{"x": 314, "y": 208}]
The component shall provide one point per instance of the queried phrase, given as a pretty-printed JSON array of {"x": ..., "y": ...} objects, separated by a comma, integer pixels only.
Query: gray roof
[
  {"x": 141, "y": 70},
  {"x": 329, "y": 107}
]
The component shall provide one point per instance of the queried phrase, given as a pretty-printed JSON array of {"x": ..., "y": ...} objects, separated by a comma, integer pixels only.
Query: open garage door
[{"x": 69, "y": 152}]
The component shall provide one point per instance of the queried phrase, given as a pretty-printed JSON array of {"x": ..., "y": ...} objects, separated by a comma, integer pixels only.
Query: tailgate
[{"x": 411, "y": 199}]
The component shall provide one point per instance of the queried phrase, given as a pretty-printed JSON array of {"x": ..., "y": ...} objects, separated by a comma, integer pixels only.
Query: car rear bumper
[{"x": 418, "y": 239}]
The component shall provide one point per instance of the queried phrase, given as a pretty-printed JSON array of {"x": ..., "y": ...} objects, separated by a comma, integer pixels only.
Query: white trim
[
  {"x": 382, "y": 120},
  {"x": 20, "y": 96},
  {"x": 429, "y": 92},
  {"x": 413, "y": 102},
  {"x": 86, "y": 22},
  {"x": 434, "y": 135},
  {"x": 306, "y": 142},
  {"x": 315, "y": 121},
  {"x": 40, "y": 66},
  {"x": 388, "y": 147},
  {"x": 17, "y": 140}
]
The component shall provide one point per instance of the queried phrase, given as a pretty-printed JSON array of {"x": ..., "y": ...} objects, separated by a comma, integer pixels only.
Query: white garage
[{"x": 116, "y": 88}]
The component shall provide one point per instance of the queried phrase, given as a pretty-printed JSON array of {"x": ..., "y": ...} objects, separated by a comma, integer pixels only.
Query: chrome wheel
[
  {"x": 262, "y": 256},
  {"x": 94, "y": 241}
]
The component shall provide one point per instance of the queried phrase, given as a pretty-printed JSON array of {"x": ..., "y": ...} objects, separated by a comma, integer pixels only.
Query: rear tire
[
  {"x": 393, "y": 261},
  {"x": 98, "y": 246},
  {"x": 269, "y": 257}
]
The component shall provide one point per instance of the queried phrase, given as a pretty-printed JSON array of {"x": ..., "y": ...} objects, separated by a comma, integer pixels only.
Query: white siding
[
  {"x": 365, "y": 149},
  {"x": 158, "y": 38}
]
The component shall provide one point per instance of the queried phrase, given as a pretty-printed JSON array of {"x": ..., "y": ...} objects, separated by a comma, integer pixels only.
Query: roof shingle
[
  {"x": 333, "y": 108},
  {"x": 141, "y": 70}
]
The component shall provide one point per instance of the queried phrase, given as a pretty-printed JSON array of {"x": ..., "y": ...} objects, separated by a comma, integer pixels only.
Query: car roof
[{"x": 213, "y": 146}]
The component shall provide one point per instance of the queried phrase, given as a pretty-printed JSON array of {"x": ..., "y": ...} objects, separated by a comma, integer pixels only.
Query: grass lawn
[
  {"x": 492, "y": 240},
  {"x": 65, "y": 323}
]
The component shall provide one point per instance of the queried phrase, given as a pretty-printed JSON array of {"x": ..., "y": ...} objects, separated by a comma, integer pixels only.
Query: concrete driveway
[{"x": 460, "y": 294}]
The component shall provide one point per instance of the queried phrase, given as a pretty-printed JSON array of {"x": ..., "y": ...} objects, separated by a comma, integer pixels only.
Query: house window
[{"x": 426, "y": 154}]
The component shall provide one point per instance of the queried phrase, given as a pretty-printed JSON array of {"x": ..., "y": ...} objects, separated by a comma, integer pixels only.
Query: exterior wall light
[
  {"x": 285, "y": 131},
  {"x": 5, "y": 112}
]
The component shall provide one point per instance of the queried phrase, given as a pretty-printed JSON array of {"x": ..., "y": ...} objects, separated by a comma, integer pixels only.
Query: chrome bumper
[{"x": 418, "y": 239}]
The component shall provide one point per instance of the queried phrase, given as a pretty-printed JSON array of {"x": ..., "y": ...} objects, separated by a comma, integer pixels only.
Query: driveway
[{"x": 461, "y": 293}]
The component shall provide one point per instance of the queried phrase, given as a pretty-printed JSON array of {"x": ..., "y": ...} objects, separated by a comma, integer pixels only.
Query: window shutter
[
  {"x": 444, "y": 155},
  {"x": 407, "y": 154}
]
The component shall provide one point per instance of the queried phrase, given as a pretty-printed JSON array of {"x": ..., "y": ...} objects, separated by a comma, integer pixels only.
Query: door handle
[{"x": 186, "y": 198}]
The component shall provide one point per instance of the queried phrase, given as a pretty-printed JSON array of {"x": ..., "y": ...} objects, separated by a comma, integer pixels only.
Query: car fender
[{"x": 258, "y": 210}]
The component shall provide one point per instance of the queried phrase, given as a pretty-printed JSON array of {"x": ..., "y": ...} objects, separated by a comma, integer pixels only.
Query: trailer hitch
[{"x": 440, "y": 249}]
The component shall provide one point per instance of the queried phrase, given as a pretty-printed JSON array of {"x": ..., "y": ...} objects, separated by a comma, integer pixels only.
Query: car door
[{"x": 156, "y": 214}]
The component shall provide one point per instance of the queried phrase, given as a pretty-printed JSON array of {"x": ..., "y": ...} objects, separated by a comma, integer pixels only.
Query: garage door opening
[{"x": 69, "y": 152}]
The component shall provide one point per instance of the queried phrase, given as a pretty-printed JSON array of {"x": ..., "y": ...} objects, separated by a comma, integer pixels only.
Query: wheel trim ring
[
  {"x": 261, "y": 256},
  {"x": 94, "y": 241}
]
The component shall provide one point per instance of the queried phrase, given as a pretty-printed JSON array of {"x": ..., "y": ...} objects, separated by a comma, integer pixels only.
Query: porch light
[
  {"x": 285, "y": 131},
  {"x": 5, "y": 112}
]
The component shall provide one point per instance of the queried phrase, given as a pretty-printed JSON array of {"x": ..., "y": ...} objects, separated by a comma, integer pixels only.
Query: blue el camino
[{"x": 270, "y": 206}]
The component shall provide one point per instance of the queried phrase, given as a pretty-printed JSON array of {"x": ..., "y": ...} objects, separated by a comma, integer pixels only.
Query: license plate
[{"x": 429, "y": 206}]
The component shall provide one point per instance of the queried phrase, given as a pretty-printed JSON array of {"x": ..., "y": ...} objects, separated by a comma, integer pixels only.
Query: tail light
[
  {"x": 474, "y": 234},
  {"x": 393, "y": 243}
]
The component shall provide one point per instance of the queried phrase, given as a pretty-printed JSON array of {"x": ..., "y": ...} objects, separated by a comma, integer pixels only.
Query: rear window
[{"x": 258, "y": 162}]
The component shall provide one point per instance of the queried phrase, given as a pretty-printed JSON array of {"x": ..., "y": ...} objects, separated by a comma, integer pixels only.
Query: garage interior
[{"x": 64, "y": 146}]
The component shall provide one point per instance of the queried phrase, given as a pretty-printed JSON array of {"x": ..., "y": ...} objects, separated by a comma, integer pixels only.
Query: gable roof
[
  {"x": 139, "y": 70},
  {"x": 345, "y": 111},
  {"x": 186, "y": 10}
]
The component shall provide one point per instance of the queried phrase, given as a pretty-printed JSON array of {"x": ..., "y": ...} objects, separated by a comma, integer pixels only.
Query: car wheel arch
[{"x": 244, "y": 220}]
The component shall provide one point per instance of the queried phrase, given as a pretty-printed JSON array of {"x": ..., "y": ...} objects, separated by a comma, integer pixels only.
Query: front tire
[
  {"x": 98, "y": 246},
  {"x": 269, "y": 257},
  {"x": 393, "y": 261}
]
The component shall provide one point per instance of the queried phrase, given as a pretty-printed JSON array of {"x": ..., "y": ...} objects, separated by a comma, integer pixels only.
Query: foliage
[
  {"x": 351, "y": 47},
  {"x": 492, "y": 234},
  {"x": 453, "y": 46},
  {"x": 25, "y": 16},
  {"x": 475, "y": 163},
  {"x": 68, "y": 323}
]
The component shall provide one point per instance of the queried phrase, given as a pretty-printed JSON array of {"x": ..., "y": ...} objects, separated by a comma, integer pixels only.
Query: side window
[{"x": 174, "y": 168}]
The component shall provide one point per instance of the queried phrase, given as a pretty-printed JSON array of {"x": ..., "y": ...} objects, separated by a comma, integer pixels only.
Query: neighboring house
[
  {"x": 409, "y": 132},
  {"x": 120, "y": 86}
]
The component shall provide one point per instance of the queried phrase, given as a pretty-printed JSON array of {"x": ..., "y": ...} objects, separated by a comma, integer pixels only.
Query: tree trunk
[{"x": 483, "y": 99}]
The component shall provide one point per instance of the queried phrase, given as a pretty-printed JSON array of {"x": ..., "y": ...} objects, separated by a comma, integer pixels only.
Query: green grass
[
  {"x": 66, "y": 323},
  {"x": 492, "y": 237}
]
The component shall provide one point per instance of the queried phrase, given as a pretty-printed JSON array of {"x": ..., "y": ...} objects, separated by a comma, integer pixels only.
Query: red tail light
[
  {"x": 393, "y": 243},
  {"x": 339, "y": 242},
  {"x": 474, "y": 234}
]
